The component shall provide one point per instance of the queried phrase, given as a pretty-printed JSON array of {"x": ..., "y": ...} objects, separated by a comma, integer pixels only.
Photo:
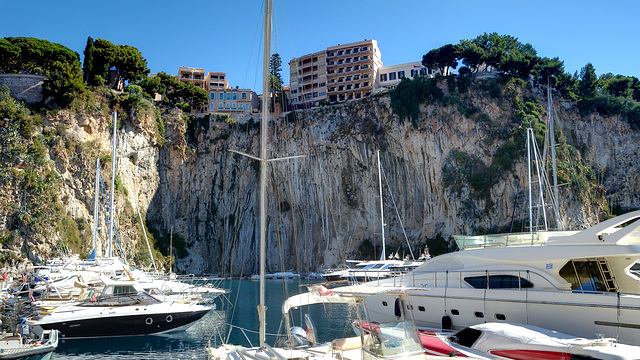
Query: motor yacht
[
  {"x": 122, "y": 309},
  {"x": 581, "y": 283}
]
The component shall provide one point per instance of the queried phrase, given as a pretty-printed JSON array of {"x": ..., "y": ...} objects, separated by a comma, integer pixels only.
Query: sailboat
[
  {"x": 399, "y": 341},
  {"x": 372, "y": 270}
]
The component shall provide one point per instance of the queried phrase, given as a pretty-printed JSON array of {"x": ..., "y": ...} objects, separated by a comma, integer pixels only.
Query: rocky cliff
[{"x": 439, "y": 172}]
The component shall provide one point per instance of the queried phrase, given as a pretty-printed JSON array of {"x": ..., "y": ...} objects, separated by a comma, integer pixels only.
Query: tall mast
[
  {"x": 552, "y": 144},
  {"x": 266, "y": 55},
  {"x": 113, "y": 179},
  {"x": 382, "y": 256},
  {"x": 96, "y": 208}
]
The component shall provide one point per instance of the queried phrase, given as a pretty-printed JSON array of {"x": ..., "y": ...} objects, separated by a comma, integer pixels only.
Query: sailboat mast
[
  {"x": 552, "y": 144},
  {"x": 263, "y": 164},
  {"x": 113, "y": 173},
  {"x": 96, "y": 207},
  {"x": 382, "y": 256}
]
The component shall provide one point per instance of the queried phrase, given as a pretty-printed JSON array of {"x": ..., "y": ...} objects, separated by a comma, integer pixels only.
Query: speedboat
[
  {"x": 522, "y": 342},
  {"x": 581, "y": 283},
  {"x": 122, "y": 309}
]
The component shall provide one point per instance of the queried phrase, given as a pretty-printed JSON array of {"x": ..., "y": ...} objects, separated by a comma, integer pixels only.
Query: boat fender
[
  {"x": 446, "y": 323},
  {"x": 397, "y": 309}
]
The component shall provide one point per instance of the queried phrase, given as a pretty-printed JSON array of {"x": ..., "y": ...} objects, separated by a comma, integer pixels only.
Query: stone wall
[{"x": 25, "y": 87}]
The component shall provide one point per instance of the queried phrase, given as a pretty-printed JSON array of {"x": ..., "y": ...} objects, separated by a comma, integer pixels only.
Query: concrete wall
[{"x": 25, "y": 87}]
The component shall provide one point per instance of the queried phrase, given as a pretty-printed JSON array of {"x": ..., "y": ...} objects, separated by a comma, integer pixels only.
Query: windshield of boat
[
  {"x": 589, "y": 275},
  {"x": 393, "y": 339}
]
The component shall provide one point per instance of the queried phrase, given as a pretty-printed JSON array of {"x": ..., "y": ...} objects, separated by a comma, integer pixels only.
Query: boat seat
[{"x": 345, "y": 344}]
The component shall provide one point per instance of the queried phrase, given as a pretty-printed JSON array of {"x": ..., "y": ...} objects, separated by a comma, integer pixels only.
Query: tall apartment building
[
  {"x": 308, "y": 79},
  {"x": 352, "y": 69},
  {"x": 339, "y": 73}
]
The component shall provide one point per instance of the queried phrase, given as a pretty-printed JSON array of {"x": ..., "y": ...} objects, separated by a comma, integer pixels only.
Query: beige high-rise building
[
  {"x": 308, "y": 80},
  {"x": 352, "y": 70}
]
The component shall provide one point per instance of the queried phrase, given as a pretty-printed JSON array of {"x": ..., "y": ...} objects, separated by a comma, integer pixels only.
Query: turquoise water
[{"x": 330, "y": 321}]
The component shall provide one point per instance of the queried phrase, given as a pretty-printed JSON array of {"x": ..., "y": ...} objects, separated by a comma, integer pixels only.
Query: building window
[
  {"x": 355, "y": 50},
  {"x": 330, "y": 54},
  {"x": 212, "y": 96},
  {"x": 220, "y": 106},
  {"x": 339, "y": 52},
  {"x": 340, "y": 70},
  {"x": 392, "y": 76},
  {"x": 348, "y": 60},
  {"x": 348, "y": 87},
  {"x": 383, "y": 77},
  {"x": 355, "y": 58},
  {"x": 340, "y": 61},
  {"x": 400, "y": 74},
  {"x": 364, "y": 48},
  {"x": 366, "y": 83},
  {"x": 348, "y": 78},
  {"x": 423, "y": 71},
  {"x": 244, "y": 96},
  {"x": 348, "y": 68},
  {"x": 414, "y": 73},
  {"x": 356, "y": 86},
  {"x": 331, "y": 62},
  {"x": 340, "y": 88},
  {"x": 220, "y": 96},
  {"x": 323, "y": 84},
  {"x": 233, "y": 106},
  {"x": 227, "y": 106},
  {"x": 356, "y": 67},
  {"x": 364, "y": 76},
  {"x": 340, "y": 79},
  {"x": 323, "y": 93},
  {"x": 348, "y": 51},
  {"x": 356, "y": 77},
  {"x": 365, "y": 66}
]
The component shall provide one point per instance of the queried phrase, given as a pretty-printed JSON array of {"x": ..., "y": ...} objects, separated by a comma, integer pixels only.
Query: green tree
[
  {"x": 88, "y": 59},
  {"x": 9, "y": 55},
  {"x": 549, "y": 71},
  {"x": 65, "y": 83},
  {"x": 442, "y": 58},
  {"x": 126, "y": 60},
  {"x": 275, "y": 80},
  {"x": 38, "y": 56},
  {"x": 588, "y": 84},
  {"x": 616, "y": 85}
]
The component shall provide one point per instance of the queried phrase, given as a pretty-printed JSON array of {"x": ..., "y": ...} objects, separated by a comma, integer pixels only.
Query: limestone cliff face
[{"x": 323, "y": 207}]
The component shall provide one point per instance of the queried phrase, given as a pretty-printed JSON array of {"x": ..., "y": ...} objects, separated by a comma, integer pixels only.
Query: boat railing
[{"x": 455, "y": 279}]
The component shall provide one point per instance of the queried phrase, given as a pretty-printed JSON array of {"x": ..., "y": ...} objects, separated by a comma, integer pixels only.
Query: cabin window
[
  {"x": 498, "y": 282},
  {"x": 478, "y": 314},
  {"x": 455, "y": 312},
  {"x": 384, "y": 303},
  {"x": 500, "y": 317},
  {"x": 409, "y": 307},
  {"x": 421, "y": 308},
  {"x": 589, "y": 275}
]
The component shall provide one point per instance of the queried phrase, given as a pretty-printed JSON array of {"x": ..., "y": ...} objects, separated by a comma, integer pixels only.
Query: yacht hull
[
  {"x": 584, "y": 315},
  {"x": 123, "y": 325}
]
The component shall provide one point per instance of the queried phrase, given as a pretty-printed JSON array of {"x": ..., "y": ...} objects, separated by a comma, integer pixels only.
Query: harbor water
[{"x": 238, "y": 308}]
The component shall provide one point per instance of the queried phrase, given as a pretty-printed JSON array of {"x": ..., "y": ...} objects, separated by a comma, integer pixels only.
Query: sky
[{"x": 226, "y": 36}]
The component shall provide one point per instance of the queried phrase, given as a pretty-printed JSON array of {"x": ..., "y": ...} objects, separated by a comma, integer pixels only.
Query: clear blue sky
[{"x": 224, "y": 35}]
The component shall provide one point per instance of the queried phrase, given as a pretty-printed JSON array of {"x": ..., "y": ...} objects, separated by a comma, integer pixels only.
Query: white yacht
[
  {"x": 581, "y": 283},
  {"x": 122, "y": 309}
]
